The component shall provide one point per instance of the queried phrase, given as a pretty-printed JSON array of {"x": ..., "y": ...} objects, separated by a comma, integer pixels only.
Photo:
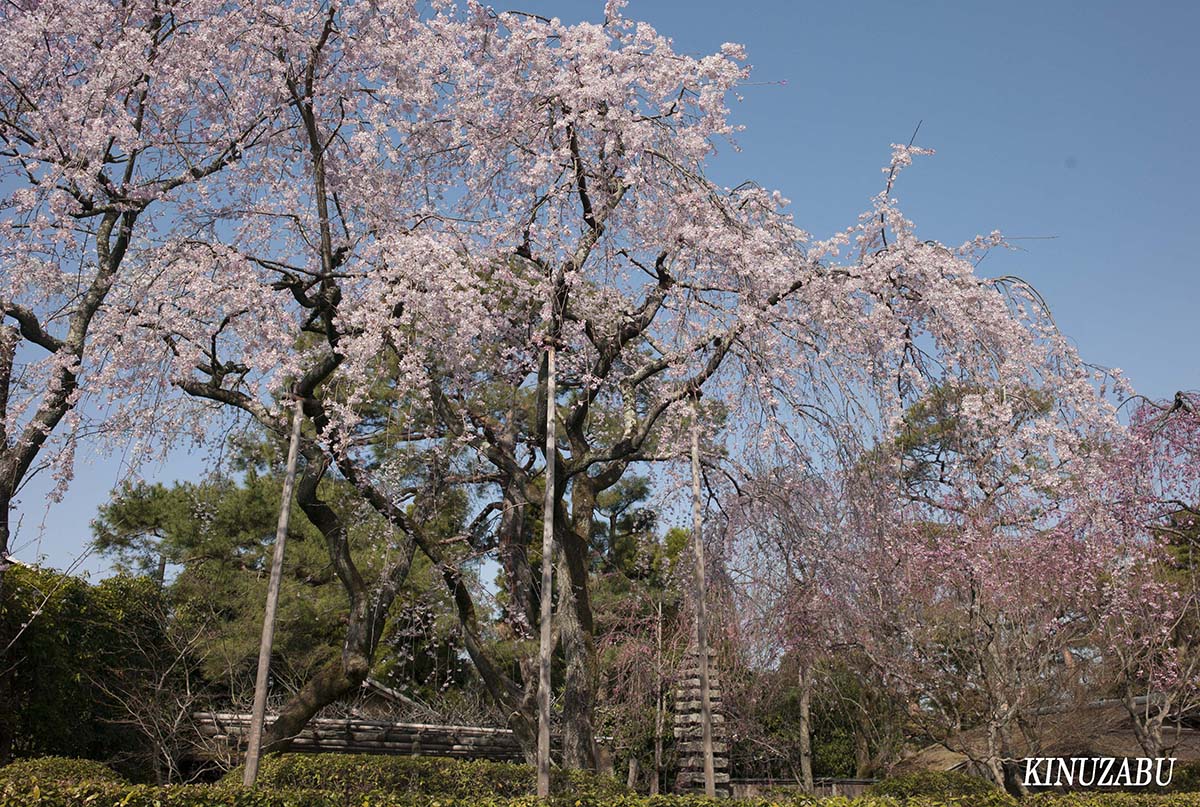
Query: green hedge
[
  {"x": 101, "y": 794},
  {"x": 1186, "y": 777},
  {"x": 935, "y": 784},
  {"x": 104, "y": 794},
  {"x": 58, "y": 770},
  {"x": 337, "y": 780},
  {"x": 426, "y": 776},
  {"x": 1121, "y": 799}
]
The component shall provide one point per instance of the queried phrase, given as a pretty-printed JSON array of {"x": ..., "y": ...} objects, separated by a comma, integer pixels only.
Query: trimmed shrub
[
  {"x": 448, "y": 778},
  {"x": 937, "y": 784},
  {"x": 58, "y": 770},
  {"x": 108, "y": 794},
  {"x": 1186, "y": 778},
  {"x": 365, "y": 773},
  {"x": 1113, "y": 799},
  {"x": 582, "y": 784},
  {"x": 115, "y": 795},
  {"x": 298, "y": 780}
]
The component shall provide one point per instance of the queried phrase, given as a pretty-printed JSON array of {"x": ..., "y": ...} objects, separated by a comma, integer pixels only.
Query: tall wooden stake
[
  {"x": 545, "y": 648},
  {"x": 660, "y": 706},
  {"x": 257, "y": 717},
  {"x": 710, "y": 784}
]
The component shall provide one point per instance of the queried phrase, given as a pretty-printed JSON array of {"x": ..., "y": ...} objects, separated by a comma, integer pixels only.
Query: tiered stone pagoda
[{"x": 689, "y": 730}]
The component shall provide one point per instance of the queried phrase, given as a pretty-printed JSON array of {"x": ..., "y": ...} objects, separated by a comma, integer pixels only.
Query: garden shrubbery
[
  {"x": 1113, "y": 799},
  {"x": 59, "y": 771},
  {"x": 1186, "y": 778},
  {"x": 101, "y": 794},
  {"x": 365, "y": 773},
  {"x": 936, "y": 784},
  {"x": 430, "y": 776},
  {"x": 298, "y": 780},
  {"x": 114, "y": 795}
]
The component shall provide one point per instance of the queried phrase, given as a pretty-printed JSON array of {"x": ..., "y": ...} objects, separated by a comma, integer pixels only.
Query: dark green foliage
[
  {"x": 360, "y": 774},
  {"x": 216, "y": 536},
  {"x": 1186, "y": 778},
  {"x": 59, "y": 771},
  {"x": 71, "y": 636},
  {"x": 48, "y": 614},
  {"x": 212, "y": 540},
  {"x": 625, "y": 526},
  {"x": 938, "y": 784}
]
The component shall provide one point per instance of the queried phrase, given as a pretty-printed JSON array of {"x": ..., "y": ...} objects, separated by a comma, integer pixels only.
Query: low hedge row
[
  {"x": 356, "y": 774},
  {"x": 109, "y": 794},
  {"x": 1186, "y": 777},
  {"x": 58, "y": 770},
  {"x": 299, "y": 780},
  {"x": 935, "y": 784},
  {"x": 1122, "y": 799}
]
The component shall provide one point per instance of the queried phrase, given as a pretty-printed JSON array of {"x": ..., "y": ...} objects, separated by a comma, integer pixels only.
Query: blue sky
[{"x": 1072, "y": 120}]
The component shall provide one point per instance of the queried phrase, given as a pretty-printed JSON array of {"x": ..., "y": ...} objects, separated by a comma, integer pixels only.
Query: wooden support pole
[
  {"x": 546, "y": 644},
  {"x": 660, "y": 706},
  {"x": 710, "y": 785},
  {"x": 258, "y": 715}
]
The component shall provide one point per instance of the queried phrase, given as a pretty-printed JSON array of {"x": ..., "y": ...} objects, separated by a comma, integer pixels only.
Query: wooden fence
[
  {"x": 363, "y": 736},
  {"x": 761, "y": 788}
]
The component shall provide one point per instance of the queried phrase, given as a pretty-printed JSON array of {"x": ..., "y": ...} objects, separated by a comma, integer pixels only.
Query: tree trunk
[
  {"x": 18, "y": 452},
  {"x": 8, "y": 706},
  {"x": 521, "y": 615},
  {"x": 522, "y": 711},
  {"x": 862, "y": 748},
  {"x": 994, "y": 764},
  {"x": 8, "y": 482},
  {"x": 576, "y": 630},
  {"x": 1014, "y": 780},
  {"x": 368, "y": 613},
  {"x": 334, "y": 681},
  {"x": 1147, "y": 722},
  {"x": 8, "y": 348},
  {"x": 579, "y": 678},
  {"x": 805, "y": 727},
  {"x": 512, "y": 538}
]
